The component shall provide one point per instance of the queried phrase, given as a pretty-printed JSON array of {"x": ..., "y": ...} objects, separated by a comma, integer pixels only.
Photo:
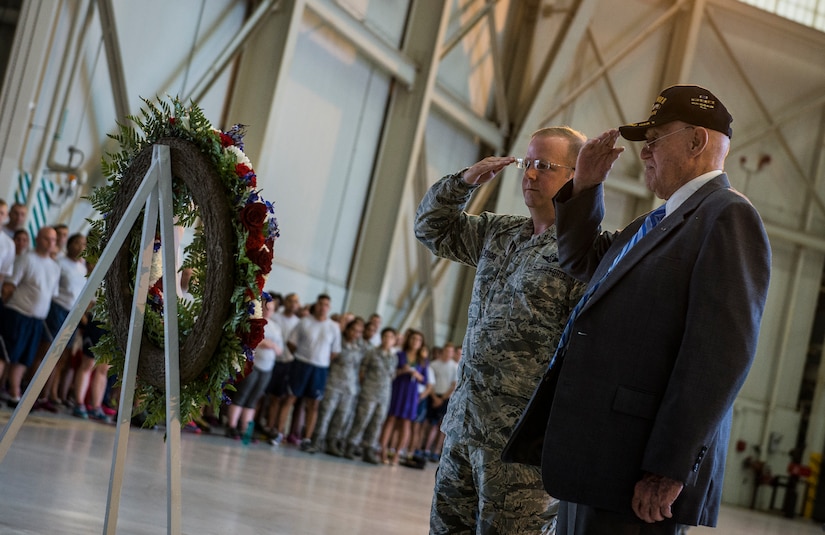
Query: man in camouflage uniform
[
  {"x": 520, "y": 303},
  {"x": 336, "y": 408},
  {"x": 377, "y": 372}
]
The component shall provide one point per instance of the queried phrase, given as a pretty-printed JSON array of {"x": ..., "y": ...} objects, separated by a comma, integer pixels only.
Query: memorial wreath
[{"x": 215, "y": 193}]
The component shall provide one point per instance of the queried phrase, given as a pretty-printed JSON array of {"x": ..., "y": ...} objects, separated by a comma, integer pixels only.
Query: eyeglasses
[
  {"x": 649, "y": 144},
  {"x": 540, "y": 165}
]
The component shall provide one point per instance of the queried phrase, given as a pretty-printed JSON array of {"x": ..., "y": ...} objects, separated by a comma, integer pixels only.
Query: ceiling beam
[{"x": 387, "y": 57}]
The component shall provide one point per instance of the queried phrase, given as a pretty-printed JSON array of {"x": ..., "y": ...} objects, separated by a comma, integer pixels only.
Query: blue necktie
[{"x": 652, "y": 219}]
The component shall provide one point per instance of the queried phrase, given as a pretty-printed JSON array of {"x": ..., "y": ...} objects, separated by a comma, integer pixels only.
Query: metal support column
[
  {"x": 267, "y": 59},
  {"x": 397, "y": 156}
]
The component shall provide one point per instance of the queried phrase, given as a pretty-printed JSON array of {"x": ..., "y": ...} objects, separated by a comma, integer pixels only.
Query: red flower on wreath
[
  {"x": 247, "y": 173},
  {"x": 252, "y": 338},
  {"x": 253, "y": 216},
  {"x": 155, "y": 297},
  {"x": 241, "y": 169},
  {"x": 254, "y": 241},
  {"x": 261, "y": 258},
  {"x": 226, "y": 140},
  {"x": 260, "y": 280}
]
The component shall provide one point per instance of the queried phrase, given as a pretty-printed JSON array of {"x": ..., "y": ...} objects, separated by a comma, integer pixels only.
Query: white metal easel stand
[{"x": 155, "y": 194}]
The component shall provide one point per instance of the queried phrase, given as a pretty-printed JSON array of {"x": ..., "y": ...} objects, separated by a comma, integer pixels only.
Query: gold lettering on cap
[
  {"x": 660, "y": 100},
  {"x": 704, "y": 102}
]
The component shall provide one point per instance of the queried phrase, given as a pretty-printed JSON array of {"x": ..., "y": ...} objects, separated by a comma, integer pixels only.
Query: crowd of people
[
  {"x": 39, "y": 287},
  {"x": 333, "y": 383},
  {"x": 343, "y": 385}
]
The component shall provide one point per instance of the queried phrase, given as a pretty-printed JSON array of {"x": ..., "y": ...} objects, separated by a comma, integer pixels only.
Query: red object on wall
[{"x": 800, "y": 470}]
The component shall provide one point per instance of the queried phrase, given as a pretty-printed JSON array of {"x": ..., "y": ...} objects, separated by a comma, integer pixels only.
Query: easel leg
[
  {"x": 127, "y": 391},
  {"x": 170, "y": 331}
]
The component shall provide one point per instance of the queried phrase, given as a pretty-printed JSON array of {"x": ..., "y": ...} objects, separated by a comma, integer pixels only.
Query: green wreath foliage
[{"x": 255, "y": 228}]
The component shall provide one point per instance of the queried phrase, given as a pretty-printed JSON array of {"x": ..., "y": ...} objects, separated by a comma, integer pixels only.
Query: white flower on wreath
[
  {"x": 240, "y": 157},
  {"x": 259, "y": 309},
  {"x": 156, "y": 268}
]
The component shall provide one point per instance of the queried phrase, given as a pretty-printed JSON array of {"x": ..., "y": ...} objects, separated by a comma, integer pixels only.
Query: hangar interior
[{"x": 354, "y": 107}]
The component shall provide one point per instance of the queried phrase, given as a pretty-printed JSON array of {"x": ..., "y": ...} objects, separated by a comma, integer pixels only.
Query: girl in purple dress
[{"x": 411, "y": 371}]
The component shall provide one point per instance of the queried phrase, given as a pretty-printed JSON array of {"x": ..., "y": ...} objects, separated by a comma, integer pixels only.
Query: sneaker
[
  {"x": 192, "y": 427},
  {"x": 13, "y": 402},
  {"x": 233, "y": 433},
  {"x": 276, "y": 439},
  {"x": 98, "y": 414},
  {"x": 47, "y": 405},
  {"x": 295, "y": 440},
  {"x": 307, "y": 446},
  {"x": 435, "y": 457},
  {"x": 333, "y": 449},
  {"x": 349, "y": 452},
  {"x": 108, "y": 411},
  {"x": 80, "y": 412},
  {"x": 370, "y": 457}
]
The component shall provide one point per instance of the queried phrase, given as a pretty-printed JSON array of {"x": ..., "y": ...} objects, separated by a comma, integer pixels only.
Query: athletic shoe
[
  {"x": 308, "y": 447},
  {"x": 276, "y": 439},
  {"x": 192, "y": 427},
  {"x": 295, "y": 440},
  {"x": 80, "y": 412},
  {"x": 47, "y": 405},
  {"x": 98, "y": 414},
  {"x": 370, "y": 457},
  {"x": 333, "y": 449}
]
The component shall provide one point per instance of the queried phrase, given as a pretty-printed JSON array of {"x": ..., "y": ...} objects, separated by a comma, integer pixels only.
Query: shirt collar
[{"x": 688, "y": 189}]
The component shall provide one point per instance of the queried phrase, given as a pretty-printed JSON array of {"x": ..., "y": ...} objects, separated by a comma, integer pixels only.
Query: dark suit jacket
[{"x": 655, "y": 358}]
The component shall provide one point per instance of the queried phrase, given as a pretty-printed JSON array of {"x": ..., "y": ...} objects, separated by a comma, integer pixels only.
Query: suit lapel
[{"x": 655, "y": 238}]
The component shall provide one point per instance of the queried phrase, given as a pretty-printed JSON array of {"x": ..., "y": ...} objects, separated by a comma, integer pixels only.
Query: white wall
[{"x": 318, "y": 164}]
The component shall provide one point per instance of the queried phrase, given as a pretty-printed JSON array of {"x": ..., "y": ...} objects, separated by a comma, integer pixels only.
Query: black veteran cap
[{"x": 688, "y": 103}]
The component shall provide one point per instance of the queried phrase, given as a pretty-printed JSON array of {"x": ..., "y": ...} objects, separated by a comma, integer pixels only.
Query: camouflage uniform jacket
[
  {"x": 343, "y": 370},
  {"x": 378, "y": 370},
  {"x": 520, "y": 302}
]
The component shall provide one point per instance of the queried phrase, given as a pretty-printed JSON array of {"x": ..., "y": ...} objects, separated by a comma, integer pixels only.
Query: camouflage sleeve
[{"x": 442, "y": 225}]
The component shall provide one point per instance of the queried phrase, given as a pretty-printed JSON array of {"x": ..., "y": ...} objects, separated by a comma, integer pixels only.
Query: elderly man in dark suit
[{"x": 632, "y": 420}]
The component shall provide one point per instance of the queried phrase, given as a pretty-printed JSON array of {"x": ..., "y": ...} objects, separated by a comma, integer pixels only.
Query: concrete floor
[{"x": 54, "y": 480}]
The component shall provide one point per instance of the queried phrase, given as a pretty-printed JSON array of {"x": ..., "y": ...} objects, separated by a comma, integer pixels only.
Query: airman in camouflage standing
[
  {"x": 521, "y": 300},
  {"x": 377, "y": 372}
]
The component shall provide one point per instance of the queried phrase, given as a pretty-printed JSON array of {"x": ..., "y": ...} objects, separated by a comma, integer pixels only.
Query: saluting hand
[
  {"x": 485, "y": 170},
  {"x": 595, "y": 160}
]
